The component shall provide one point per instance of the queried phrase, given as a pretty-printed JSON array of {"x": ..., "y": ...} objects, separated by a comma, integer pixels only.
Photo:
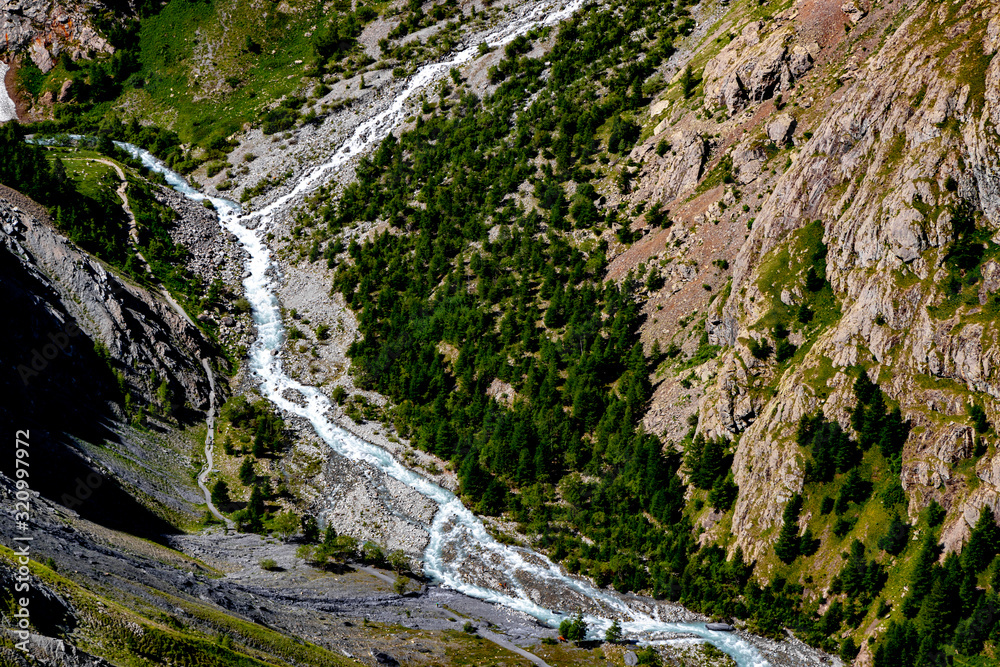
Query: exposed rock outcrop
[
  {"x": 755, "y": 66},
  {"x": 883, "y": 162},
  {"x": 44, "y": 29}
]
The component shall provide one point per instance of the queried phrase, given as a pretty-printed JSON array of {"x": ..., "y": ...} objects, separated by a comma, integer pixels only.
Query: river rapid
[
  {"x": 461, "y": 554},
  {"x": 8, "y": 110}
]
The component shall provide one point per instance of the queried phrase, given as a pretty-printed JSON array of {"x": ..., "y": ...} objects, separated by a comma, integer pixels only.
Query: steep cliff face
[
  {"x": 881, "y": 124},
  {"x": 94, "y": 365}
]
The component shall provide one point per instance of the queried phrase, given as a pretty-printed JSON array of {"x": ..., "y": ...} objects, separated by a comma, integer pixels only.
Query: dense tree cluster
[
  {"x": 487, "y": 283},
  {"x": 484, "y": 291},
  {"x": 877, "y": 425},
  {"x": 339, "y": 34},
  {"x": 260, "y": 419},
  {"x": 944, "y": 605}
]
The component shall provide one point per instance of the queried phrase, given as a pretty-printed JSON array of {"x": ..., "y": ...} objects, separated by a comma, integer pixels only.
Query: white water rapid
[
  {"x": 457, "y": 536},
  {"x": 8, "y": 111}
]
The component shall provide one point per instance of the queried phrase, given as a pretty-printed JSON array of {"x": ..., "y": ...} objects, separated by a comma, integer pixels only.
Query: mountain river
[{"x": 459, "y": 544}]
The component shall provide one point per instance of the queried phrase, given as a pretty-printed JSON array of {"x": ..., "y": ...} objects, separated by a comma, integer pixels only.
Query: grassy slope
[{"x": 189, "y": 50}]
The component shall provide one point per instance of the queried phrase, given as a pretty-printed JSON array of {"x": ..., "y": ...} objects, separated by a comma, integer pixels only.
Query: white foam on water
[
  {"x": 8, "y": 110},
  {"x": 454, "y": 529}
]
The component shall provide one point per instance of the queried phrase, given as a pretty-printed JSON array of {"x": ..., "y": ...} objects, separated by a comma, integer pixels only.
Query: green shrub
[{"x": 278, "y": 120}]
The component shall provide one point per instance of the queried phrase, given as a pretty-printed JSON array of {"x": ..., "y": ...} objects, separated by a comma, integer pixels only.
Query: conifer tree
[
  {"x": 787, "y": 546},
  {"x": 922, "y": 576},
  {"x": 983, "y": 542},
  {"x": 247, "y": 473}
]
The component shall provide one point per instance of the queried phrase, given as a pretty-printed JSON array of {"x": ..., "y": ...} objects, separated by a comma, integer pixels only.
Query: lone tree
[
  {"x": 788, "y": 545},
  {"x": 575, "y": 629},
  {"x": 613, "y": 635},
  {"x": 286, "y": 524},
  {"x": 220, "y": 492},
  {"x": 310, "y": 529},
  {"x": 247, "y": 473}
]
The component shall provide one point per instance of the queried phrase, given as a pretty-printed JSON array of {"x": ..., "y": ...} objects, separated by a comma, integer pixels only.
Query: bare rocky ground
[
  {"x": 215, "y": 254},
  {"x": 354, "y": 612}
]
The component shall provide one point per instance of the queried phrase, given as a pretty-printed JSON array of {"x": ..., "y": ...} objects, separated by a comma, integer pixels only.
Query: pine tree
[
  {"x": 983, "y": 542},
  {"x": 848, "y": 650},
  {"x": 723, "y": 493},
  {"x": 688, "y": 82},
  {"x": 220, "y": 493},
  {"x": 922, "y": 576},
  {"x": 310, "y": 528},
  {"x": 855, "y": 489},
  {"x": 613, "y": 635},
  {"x": 968, "y": 591},
  {"x": 787, "y": 547},
  {"x": 864, "y": 388},
  {"x": 899, "y": 646},
  {"x": 896, "y": 537},
  {"x": 929, "y": 654},
  {"x": 255, "y": 510},
  {"x": 247, "y": 473}
]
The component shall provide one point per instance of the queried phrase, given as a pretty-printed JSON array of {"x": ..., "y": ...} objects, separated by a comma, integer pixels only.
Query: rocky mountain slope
[
  {"x": 81, "y": 340},
  {"x": 890, "y": 136},
  {"x": 878, "y": 121}
]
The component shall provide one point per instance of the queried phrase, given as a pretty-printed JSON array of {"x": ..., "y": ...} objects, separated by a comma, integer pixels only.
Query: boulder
[
  {"x": 40, "y": 56},
  {"x": 854, "y": 13},
  {"x": 749, "y": 172},
  {"x": 906, "y": 239},
  {"x": 990, "y": 283},
  {"x": 799, "y": 61},
  {"x": 733, "y": 94},
  {"x": 781, "y": 128},
  {"x": 64, "y": 91},
  {"x": 719, "y": 627},
  {"x": 383, "y": 658},
  {"x": 767, "y": 72}
]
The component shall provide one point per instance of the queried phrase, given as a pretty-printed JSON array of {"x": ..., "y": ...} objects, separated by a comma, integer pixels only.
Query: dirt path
[
  {"x": 209, "y": 439},
  {"x": 514, "y": 648},
  {"x": 210, "y": 417}
]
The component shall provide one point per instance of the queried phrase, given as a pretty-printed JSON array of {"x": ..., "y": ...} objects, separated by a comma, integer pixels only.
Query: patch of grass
[
  {"x": 126, "y": 637},
  {"x": 30, "y": 79},
  {"x": 787, "y": 266},
  {"x": 208, "y": 68},
  {"x": 819, "y": 376},
  {"x": 721, "y": 173},
  {"x": 262, "y": 639},
  {"x": 895, "y": 153},
  {"x": 465, "y": 649},
  {"x": 973, "y": 72},
  {"x": 569, "y": 655}
]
